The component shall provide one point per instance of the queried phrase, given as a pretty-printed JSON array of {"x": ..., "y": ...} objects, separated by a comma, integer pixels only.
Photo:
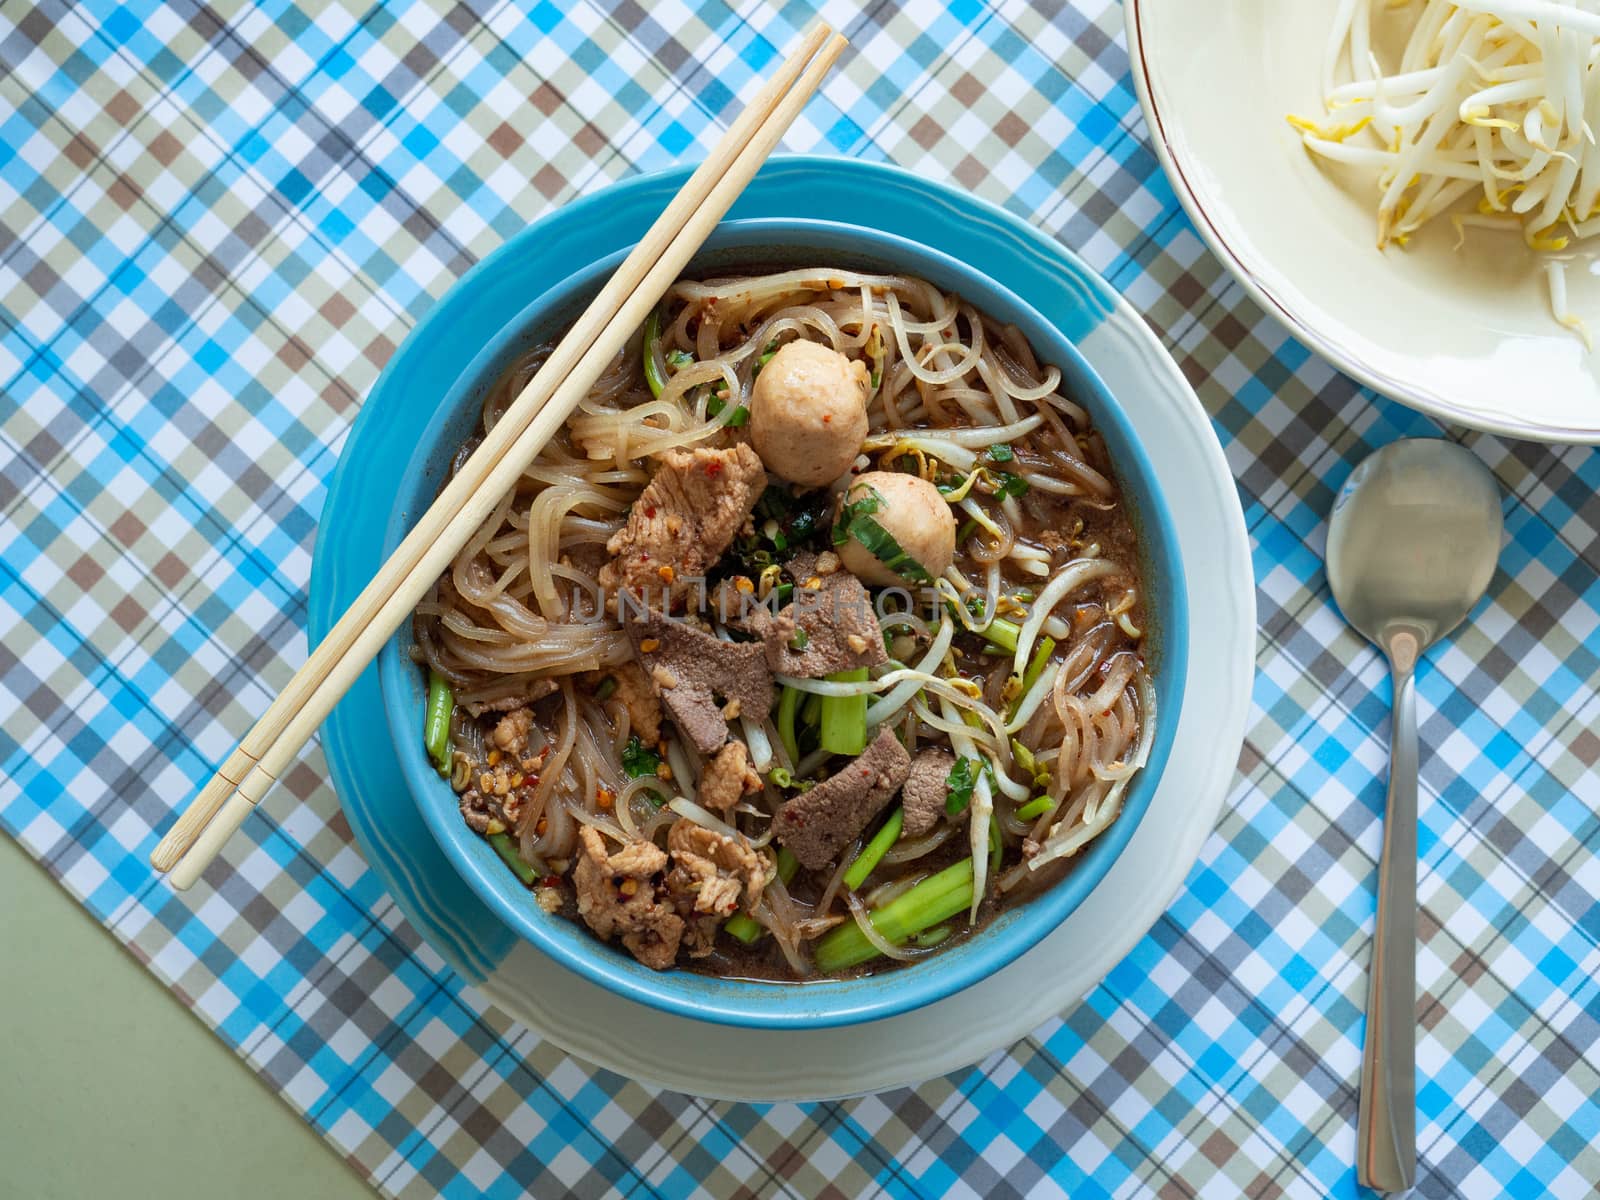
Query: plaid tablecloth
[{"x": 216, "y": 224}]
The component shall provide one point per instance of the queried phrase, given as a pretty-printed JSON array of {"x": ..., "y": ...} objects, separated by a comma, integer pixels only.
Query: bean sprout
[{"x": 1495, "y": 97}]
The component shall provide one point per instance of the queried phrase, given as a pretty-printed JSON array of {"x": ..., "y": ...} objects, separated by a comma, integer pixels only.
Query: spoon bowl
[
  {"x": 1412, "y": 544},
  {"x": 1413, "y": 541}
]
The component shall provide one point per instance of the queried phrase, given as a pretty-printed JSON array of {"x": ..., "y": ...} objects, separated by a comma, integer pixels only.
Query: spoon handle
[{"x": 1387, "y": 1115}]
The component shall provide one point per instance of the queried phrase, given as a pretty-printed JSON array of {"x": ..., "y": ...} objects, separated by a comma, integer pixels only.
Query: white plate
[
  {"x": 738, "y": 1063},
  {"x": 1465, "y": 336}
]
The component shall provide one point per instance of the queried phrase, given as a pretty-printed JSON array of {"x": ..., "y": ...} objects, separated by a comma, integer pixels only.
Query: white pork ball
[
  {"x": 808, "y": 413},
  {"x": 915, "y": 515}
]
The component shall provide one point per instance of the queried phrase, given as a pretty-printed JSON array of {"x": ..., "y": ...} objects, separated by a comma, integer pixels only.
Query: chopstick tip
[{"x": 823, "y": 37}]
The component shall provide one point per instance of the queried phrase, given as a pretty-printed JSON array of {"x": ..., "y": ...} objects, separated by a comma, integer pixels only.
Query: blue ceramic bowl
[{"x": 777, "y": 243}]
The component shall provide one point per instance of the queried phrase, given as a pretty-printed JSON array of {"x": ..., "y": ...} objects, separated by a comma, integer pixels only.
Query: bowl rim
[{"x": 832, "y": 1002}]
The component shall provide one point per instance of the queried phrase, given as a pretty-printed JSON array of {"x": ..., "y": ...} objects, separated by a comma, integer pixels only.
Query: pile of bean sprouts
[{"x": 1489, "y": 117}]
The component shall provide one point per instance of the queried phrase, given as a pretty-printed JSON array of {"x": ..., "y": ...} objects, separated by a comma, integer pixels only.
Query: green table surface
[{"x": 112, "y": 1089}]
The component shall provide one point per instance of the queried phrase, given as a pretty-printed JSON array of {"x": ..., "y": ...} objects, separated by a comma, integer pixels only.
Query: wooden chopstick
[
  {"x": 533, "y": 418},
  {"x": 468, "y": 482}
]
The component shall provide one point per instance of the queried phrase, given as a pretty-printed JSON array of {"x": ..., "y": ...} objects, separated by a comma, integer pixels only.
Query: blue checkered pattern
[{"x": 214, "y": 230}]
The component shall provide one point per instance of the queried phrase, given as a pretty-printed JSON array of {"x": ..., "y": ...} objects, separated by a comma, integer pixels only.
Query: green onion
[
  {"x": 608, "y": 685},
  {"x": 800, "y": 640},
  {"x": 1024, "y": 757},
  {"x": 782, "y": 777},
  {"x": 1002, "y": 633},
  {"x": 744, "y": 927},
  {"x": 679, "y": 359},
  {"x": 935, "y": 899},
  {"x": 996, "y": 848},
  {"x": 1000, "y": 452},
  {"x": 436, "y": 722},
  {"x": 788, "y": 703},
  {"x": 844, "y": 718},
  {"x": 652, "y": 344},
  {"x": 963, "y": 777},
  {"x": 1035, "y": 808},
  {"x": 788, "y": 865},
  {"x": 811, "y": 710},
  {"x": 506, "y": 848},
  {"x": 741, "y": 416},
  {"x": 872, "y": 853},
  {"x": 930, "y": 938},
  {"x": 1036, "y": 666},
  {"x": 638, "y": 760},
  {"x": 968, "y": 528}
]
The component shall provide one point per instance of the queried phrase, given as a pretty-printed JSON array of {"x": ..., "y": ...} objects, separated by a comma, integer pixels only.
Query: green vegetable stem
[
  {"x": 935, "y": 899},
  {"x": 872, "y": 853},
  {"x": 436, "y": 722},
  {"x": 844, "y": 718}
]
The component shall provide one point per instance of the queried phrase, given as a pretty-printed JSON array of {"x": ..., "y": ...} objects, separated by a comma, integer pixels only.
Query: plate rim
[
  {"x": 1120, "y": 327},
  {"x": 1173, "y": 161}
]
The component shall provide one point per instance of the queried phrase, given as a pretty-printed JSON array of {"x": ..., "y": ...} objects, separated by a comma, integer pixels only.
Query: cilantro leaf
[
  {"x": 963, "y": 777},
  {"x": 638, "y": 760},
  {"x": 774, "y": 502},
  {"x": 1011, "y": 485},
  {"x": 871, "y": 501},
  {"x": 889, "y": 552}
]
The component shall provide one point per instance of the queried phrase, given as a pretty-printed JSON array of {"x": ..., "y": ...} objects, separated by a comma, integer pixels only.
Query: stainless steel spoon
[{"x": 1412, "y": 545}]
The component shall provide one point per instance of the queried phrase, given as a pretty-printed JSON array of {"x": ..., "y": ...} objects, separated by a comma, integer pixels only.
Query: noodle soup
[{"x": 814, "y": 639}]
